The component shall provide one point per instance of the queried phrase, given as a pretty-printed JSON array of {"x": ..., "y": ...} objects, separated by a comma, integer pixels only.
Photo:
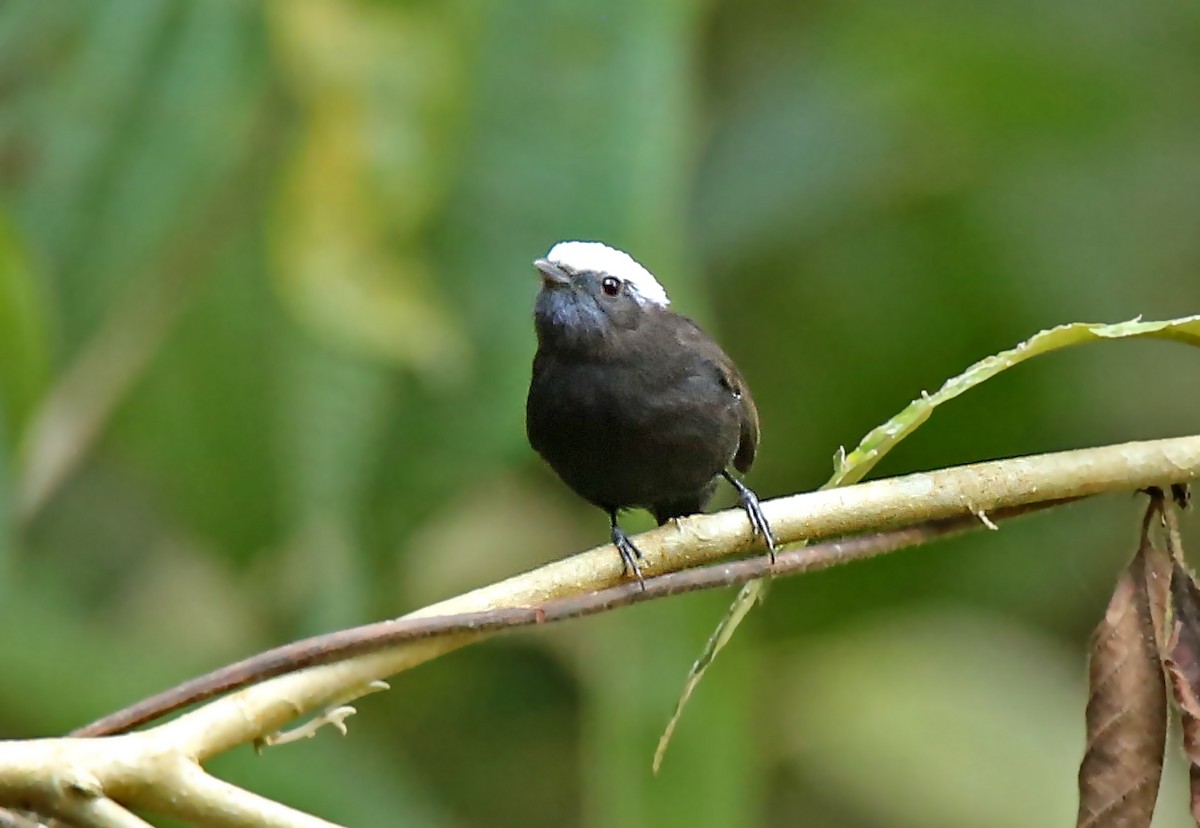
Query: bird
[{"x": 630, "y": 403}]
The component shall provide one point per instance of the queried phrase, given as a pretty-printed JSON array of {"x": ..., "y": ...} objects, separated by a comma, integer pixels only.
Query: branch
[
  {"x": 367, "y": 638},
  {"x": 159, "y": 768},
  {"x": 101, "y": 812},
  {"x": 83, "y": 780},
  {"x": 690, "y": 541}
]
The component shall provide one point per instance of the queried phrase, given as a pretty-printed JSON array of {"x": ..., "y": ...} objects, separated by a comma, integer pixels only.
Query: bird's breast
[{"x": 631, "y": 430}]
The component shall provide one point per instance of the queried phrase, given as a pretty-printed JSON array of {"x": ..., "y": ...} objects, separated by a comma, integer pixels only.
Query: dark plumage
[{"x": 630, "y": 403}]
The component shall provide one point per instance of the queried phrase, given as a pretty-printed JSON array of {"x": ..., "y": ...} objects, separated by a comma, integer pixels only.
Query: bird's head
[{"x": 591, "y": 291}]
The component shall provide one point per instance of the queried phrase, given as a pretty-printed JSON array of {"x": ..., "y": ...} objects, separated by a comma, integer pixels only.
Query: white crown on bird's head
[{"x": 596, "y": 257}]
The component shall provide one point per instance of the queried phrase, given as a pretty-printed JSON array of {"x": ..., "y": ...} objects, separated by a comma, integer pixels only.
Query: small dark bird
[{"x": 630, "y": 403}]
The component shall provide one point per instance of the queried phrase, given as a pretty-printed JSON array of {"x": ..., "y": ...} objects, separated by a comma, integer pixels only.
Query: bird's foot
[
  {"x": 630, "y": 555},
  {"x": 753, "y": 509}
]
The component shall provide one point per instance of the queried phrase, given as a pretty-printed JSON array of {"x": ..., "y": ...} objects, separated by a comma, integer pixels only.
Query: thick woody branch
[
  {"x": 83, "y": 780},
  {"x": 101, "y": 812}
]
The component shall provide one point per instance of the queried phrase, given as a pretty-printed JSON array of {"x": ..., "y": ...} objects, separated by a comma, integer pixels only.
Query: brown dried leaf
[
  {"x": 1127, "y": 704},
  {"x": 1183, "y": 666}
]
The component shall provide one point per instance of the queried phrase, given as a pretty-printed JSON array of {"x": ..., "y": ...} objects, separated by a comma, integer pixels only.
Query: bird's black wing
[
  {"x": 748, "y": 443},
  {"x": 694, "y": 338}
]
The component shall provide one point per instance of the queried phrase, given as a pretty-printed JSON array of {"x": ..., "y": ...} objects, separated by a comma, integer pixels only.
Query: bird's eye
[{"x": 611, "y": 285}]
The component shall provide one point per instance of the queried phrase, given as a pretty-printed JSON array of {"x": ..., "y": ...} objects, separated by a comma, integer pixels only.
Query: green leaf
[{"x": 853, "y": 467}]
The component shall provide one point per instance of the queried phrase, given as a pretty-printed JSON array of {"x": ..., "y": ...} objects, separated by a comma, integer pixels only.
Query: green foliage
[{"x": 265, "y": 288}]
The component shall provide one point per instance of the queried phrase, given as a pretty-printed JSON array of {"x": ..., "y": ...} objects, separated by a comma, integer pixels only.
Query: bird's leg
[
  {"x": 629, "y": 553},
  {"x": 758, "y": 521}
]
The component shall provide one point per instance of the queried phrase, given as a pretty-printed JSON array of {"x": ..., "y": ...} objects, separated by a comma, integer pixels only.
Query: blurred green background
[{"x": 265, "y": 334}]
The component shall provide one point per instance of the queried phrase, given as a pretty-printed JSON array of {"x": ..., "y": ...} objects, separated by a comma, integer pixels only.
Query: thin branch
[
  {"x": 330, "y": 647},
  {"x": 157, "y": 768},
  {"x": 877, "y": 505}
]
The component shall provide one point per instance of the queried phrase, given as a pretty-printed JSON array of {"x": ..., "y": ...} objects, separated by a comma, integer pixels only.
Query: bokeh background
[{"x": 265, "y": 334}]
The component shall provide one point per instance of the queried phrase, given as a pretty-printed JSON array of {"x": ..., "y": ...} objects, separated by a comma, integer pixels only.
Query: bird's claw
[
  {"x": 630, "y": 555},
  {"x": 758, "y": 521}
]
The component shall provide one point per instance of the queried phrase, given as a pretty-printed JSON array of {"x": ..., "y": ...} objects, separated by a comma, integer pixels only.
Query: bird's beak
[{"x": 552, "y": 274}]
